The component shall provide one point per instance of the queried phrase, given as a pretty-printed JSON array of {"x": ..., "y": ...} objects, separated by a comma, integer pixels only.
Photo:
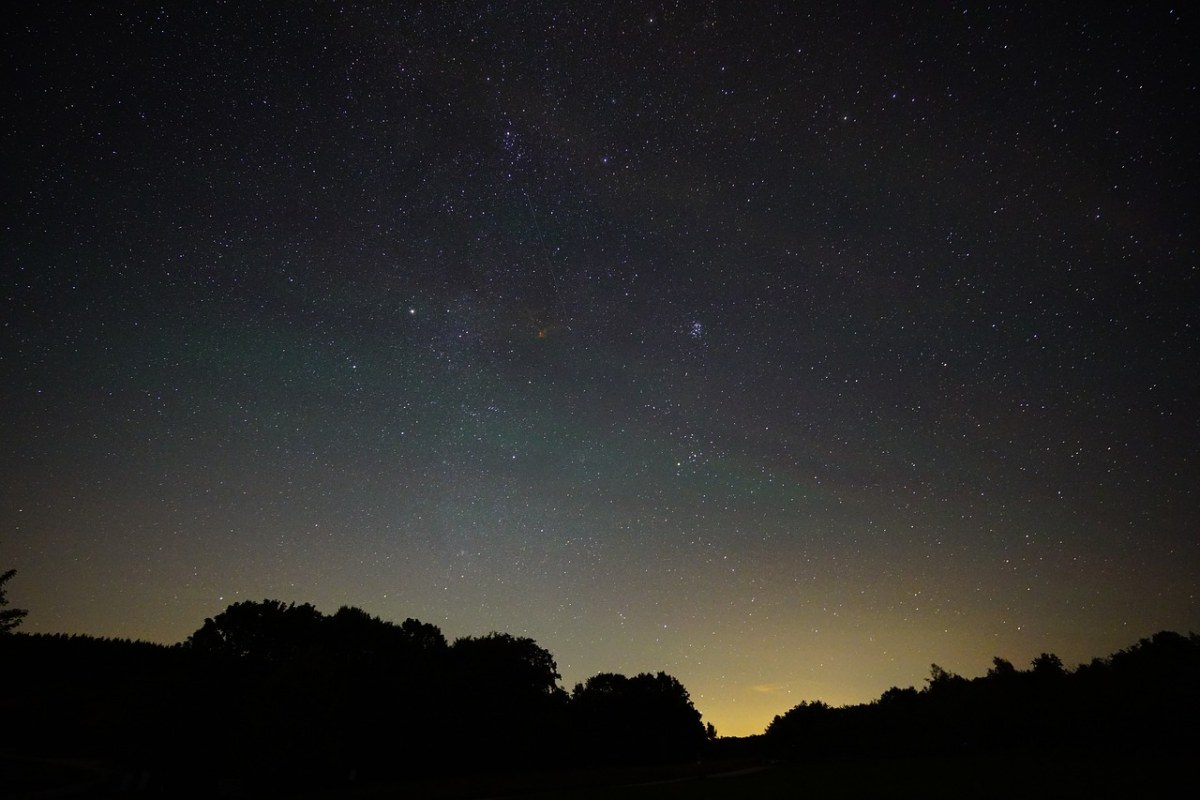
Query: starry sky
[{"x": 784, "y": 347}]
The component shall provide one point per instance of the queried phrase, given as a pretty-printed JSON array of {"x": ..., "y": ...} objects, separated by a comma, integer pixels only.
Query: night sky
[{"x": 783, "y": 349}]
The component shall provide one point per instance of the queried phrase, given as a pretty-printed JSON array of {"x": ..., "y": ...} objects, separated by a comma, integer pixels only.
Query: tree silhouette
[
  {"x": 1002, "y": 669},
  {"x": 266, "y": 631},
  {"x": 1048, "y": 665},
  {"x": 1142, "y": 700},
  {"x": 646, "y": 718},
  {"x": 506, "y": 706},
  {"x": 10, "y": 618},
  {"x": 502, "y": 664},
  {"x": 311, "y": 691},
  {"x": 353, "y": 636}
]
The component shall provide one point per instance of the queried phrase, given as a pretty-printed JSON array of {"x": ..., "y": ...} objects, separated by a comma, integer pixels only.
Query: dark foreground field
[
  {"x": 743, "y": 780},
  {"x": 984, "y": 777}
]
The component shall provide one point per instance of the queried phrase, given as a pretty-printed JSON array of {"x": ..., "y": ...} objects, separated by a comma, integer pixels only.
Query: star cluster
[{"x": 782, "y": 349}]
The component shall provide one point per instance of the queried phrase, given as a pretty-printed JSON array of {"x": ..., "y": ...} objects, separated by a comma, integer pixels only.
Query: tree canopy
[
  {"x": 10, "y": 618},
  {"x": 1145, "y": 697},
  {"x": 647, "y": 717}
]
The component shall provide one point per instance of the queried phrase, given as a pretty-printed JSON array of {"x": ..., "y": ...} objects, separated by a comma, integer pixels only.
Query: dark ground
[
  {"x": 981, "y": 777},
  {"x": 990, "y": 777}
]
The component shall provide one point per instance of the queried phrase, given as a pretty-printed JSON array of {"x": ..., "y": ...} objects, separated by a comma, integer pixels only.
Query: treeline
[
  {"x": 1144, "y": 699},
  {"x": 275, "y": 695},
  {"x": 281, "y": 693}
]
